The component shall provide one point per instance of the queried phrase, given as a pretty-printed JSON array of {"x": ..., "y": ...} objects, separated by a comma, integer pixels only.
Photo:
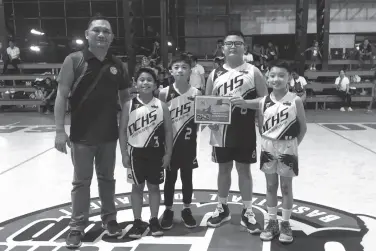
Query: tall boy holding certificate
[{"x": 180, "y": 97}]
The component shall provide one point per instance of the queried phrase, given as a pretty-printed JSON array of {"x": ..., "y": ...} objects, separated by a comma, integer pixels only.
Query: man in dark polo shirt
[{"x": 94, "y": 125}]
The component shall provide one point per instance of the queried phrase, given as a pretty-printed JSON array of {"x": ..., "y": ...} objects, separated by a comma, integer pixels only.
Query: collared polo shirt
[{"x": 95, "y": 122}]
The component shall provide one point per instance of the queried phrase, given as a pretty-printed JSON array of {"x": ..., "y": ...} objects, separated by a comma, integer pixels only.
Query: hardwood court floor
[{"x": 335, "y": 193}]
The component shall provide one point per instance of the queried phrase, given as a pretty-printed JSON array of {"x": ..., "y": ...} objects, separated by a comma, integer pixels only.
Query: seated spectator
[
  {"x": 13, "y": 56},
  {"x": 298, "y": 85},
  {"x": 218, "y": 62},
  {"x": 373, "y": 92},
  {"x": 343, "y": 87},
  {"x": 219, "y": 49},
  {"x": 197, "y": 78},
  {"x": 247, "y": 57},
  {"x": 365, "y": 53}
]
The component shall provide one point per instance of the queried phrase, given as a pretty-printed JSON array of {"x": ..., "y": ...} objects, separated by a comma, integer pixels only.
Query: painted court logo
[{"x": 316, "y": 228}]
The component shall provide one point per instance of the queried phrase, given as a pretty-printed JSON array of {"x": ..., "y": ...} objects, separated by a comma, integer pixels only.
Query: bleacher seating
[
  {"x": 347, "y": 62},
  {"x": 7, "y": 91}
]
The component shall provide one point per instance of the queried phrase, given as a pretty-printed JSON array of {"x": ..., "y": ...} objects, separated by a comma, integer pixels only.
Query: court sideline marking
[
  {"x": 23, "y": 162},
  {"x": 366, "y": 148}
]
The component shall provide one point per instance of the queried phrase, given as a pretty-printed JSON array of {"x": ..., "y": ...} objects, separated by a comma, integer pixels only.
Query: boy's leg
[
  {"x": 137, "y": 200},
  {"x": 222, "y": 156},
  {"x": 287, "y": 169},
  {"x": 272, "y": 229},
  {"x": 244, "y": 157},
  {"x": 186, "y": 214},
  {"x": 155, "y": 177},
  {"x": 169, "y": 190}
]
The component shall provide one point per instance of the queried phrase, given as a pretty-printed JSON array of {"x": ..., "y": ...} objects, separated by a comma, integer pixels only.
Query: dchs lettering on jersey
[
  {"x": 181, "y": 108},
  {"x": 145, "y": 124},
  {"x": 237, "y": 82},
  {"x": 279, "y": 117}
]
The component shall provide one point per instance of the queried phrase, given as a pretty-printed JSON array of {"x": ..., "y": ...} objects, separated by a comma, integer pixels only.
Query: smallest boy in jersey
[
  {"x": 282, "y": 125},
  {"x": 180, "y": 98},
  {"x": 146, "y": 146}
]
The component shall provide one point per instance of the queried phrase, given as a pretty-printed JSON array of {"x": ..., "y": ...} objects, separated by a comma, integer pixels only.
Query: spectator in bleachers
[
  {"x": 219, "y": 50},
  {"x": 217, "y": 62},
  {"x": 373, "y": 93},
  {"x": 365, "y": 53},
  {"x": 247, "y": 57},
  {"x": 315, "y": 54},
  {"x": 3, "y": 54},
  {"x": 297, "y": 85},
  {"x": 13, "y": 56},
  {"x": 197, "y": 78},
  {"x": 49, "y": 95},
  {"x": 343, "y": 86},
  {"x": 272, "y": 52}
]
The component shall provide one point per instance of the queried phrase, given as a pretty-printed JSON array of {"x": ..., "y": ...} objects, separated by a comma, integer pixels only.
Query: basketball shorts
[
  {"x": 245, "y": 155},
  {"x": 146, "y": 165},
  {"x": 184, "y": 158},
  {"x": 280, "y": 157}
]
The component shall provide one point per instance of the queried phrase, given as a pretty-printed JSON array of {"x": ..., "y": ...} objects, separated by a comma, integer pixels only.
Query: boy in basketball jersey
[
  {"x": 180, "y": 97},
  {"x": 282, "y": 125},
  {"x": 236, "y": 142},
  {"x": 146, "y": 147}
]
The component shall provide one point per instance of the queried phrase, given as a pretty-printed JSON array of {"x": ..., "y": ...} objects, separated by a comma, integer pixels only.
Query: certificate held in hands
[{"x": 212, "y": 110}]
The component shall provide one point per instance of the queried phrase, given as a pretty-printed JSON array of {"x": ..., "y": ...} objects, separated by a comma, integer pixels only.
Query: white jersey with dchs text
[
  {"x": 145, "y": 124},
  {"x": 279, "y": 117},
  {"x": 182, "y": 112},
  {"x": 237, "y": 82}
]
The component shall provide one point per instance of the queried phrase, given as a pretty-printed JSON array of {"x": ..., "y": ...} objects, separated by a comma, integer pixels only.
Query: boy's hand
[
  {"x": 239, "y": 102},
  {"x": 166, "y": 161},
  {"x": 126, "y": 161}
]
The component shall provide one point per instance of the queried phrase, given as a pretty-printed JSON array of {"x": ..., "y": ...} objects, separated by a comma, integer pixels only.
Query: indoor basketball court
[{"x": 334, "y": 208}]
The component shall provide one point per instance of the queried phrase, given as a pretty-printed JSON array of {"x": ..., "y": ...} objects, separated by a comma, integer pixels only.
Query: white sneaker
[
  {"x": 350, "y": 110},
  {"x": 342, "y": 109}
]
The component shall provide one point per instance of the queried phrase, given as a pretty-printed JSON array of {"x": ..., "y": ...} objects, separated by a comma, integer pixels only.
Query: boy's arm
[
  {"x": 301, "y": 119},
  {"x": 123, "y": 124},
  {"x": 162, "y": 95},
  {"x": 260, "y": 118},
  {"x": 167, "y": 122}
]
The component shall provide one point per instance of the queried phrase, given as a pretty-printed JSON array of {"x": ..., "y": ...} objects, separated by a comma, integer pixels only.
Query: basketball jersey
[
  {"x": 184, "y": 128},
  {"x": 279, "y": 117},
  {"x": 235, "y": 82},
  {"x": 145, "y": 124}
]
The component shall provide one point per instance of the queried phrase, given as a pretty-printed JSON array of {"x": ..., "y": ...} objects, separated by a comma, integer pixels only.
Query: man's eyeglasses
[{"x": 236, "y": 43}]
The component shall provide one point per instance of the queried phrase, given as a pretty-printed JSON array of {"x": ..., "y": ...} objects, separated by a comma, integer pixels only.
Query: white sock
[
  {"x": 286, "y": 214},
  {"x": 222, "y": 200},
  {"x": 247, "y": 204},
  {"x": 272, "y": 211}
]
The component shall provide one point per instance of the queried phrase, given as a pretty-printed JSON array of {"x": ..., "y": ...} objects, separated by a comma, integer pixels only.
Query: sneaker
[
  {"x": 286, "y": 233},
  {"x": 271, "y": 231},
  {"x": 113, "y": 228},
  {"x": 350, "y": 110},
  {"x": 249, "y": 222},
  {"x": 74, "y": 239},
  {"x": 167, "y": 219},
  {"x": 155, "y": 228},
  {"x": 342, "y": 109},
  {"x": 138, "y": 229},
  {"x": 220, "y": 215},
  {"x": 187, "y": 218}
]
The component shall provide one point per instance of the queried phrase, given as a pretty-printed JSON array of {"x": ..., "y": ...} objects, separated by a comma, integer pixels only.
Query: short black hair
[
  {"x": 235, "y": 33},
  {"x": 182, "y": 58},
  {"x": 281, "y": 64},
  {"x": 193, "y": 58},
  {"x": 149, "y": 70},
  {"x": 97, "y": 16}
]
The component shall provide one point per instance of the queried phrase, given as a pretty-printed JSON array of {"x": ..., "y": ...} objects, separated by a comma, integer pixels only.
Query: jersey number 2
[
  {"x": 188, "y": 133},
  {"x": 156, "y": 143}
]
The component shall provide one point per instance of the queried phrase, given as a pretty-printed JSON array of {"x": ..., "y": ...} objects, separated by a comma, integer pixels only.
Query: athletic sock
[
  {"x": 187, "y": 206},
  {"x": 286, "y": 214},
  {"x": 222, "y": 200},
  {"x": 272, "y": 211},
  {"x": 247, "y": 205}
]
